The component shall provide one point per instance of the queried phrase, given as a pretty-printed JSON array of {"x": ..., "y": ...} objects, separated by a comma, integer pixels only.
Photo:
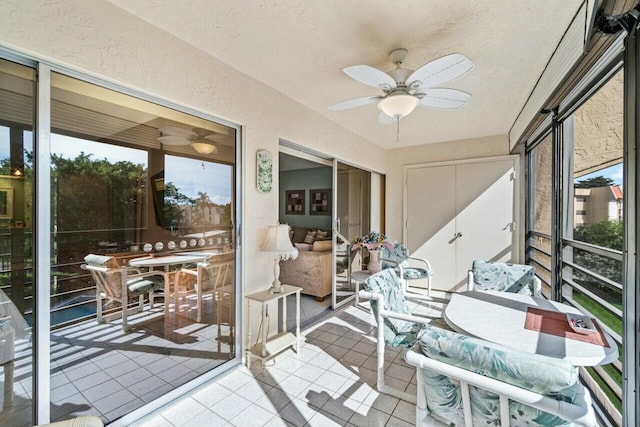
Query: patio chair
[
  {"x": 398, "y": 259},
  {"x": 466, "y": 381},
  {"x": 117, "y": 283},
  {"x": 212, "y": 279},
  {"x": 504, "y": 277},
  {"x": 397, "y": 327}
]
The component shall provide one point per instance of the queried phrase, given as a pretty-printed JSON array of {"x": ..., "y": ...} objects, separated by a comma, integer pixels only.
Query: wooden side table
[{"x": 267, "y": 347}]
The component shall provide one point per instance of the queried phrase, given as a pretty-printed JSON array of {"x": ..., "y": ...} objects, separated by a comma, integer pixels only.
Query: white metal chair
[
  {"x": 212, "y": 278},
  {"x": 115, "y": 283},
  {"x": 407, "y": 267},
  {"x": 397, "y": 327},
  {"x": 504, "y": 277},
  {"x": 470, "y": 382}
]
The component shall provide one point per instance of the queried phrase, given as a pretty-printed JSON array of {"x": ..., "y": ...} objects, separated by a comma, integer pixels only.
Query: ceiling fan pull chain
[{"x": 397, "y": 128}]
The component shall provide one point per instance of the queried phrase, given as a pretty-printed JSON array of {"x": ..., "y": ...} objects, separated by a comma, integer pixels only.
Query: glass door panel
[
  {"x": 135, "y": 180},
  {"x": 17, "y": 88},
  {"x": 352, "y": 200}
]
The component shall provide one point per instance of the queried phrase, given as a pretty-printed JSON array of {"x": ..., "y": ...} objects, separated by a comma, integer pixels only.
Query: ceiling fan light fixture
[
  {"x": 398, "y": 105},
  {"x": 204, "y": 148}
]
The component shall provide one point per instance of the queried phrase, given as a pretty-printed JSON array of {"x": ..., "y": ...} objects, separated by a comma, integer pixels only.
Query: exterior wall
[
  {"x": 431, "y": 153},
  {"x": 598, "y": 129},
  {"x": 104, "y": 41}
]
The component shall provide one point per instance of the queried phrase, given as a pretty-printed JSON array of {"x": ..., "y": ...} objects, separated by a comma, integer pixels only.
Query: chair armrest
[
  {"x": 189, "y": 271},
  {"x": 470, "y": 280},
  {"x": 408, "y": 317},
  {"x": 537, "y": 287},
  {"x": 582, "y": 414},
  {"x": 421, "y": 260}
]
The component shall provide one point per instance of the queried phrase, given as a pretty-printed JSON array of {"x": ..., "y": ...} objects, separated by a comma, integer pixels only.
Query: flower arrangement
[{"x": 372, "y": 241}]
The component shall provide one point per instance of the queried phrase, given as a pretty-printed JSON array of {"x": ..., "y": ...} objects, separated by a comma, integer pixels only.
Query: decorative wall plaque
[{"x": 264, "y": 171}]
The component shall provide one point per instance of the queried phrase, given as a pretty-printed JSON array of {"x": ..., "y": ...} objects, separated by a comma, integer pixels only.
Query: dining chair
[
  {"x": 504, "y": 277},
  {"x": 396, "y": 325},
  {"x": 407, "y": 267},
  {"x": 213, "y": 277},
  {"x": 117, "y": 283}
]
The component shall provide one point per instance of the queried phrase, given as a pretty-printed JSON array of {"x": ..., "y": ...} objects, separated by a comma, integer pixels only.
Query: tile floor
[{"x": 330, "y": 383}]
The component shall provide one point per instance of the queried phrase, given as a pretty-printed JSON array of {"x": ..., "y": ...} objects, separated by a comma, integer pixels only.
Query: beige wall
[
  {"x": 101, "y": 40},
  {"x": 431, "y": 153}
]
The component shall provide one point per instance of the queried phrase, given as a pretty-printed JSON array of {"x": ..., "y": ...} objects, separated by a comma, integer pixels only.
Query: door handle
[{"x": 457, "y": 235}]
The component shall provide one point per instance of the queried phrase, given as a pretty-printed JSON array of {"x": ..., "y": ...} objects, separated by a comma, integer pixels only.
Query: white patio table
[{"x": 500, "y": 317}]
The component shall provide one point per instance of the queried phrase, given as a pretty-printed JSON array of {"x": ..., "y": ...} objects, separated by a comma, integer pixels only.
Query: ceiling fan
[
  {"x": 201, "y": 141},
  {"x": 404, "y": 89}
]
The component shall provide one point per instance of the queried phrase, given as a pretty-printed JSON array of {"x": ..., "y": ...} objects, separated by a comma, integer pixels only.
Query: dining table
[
  {"x": 165, "y": 262},
  {"x": 534, "y": 325}
]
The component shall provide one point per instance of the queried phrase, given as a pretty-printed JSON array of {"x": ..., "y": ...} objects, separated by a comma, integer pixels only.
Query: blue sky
[
  {"x": 188, "y": 175},
  {"x": 614, "y": 172}
]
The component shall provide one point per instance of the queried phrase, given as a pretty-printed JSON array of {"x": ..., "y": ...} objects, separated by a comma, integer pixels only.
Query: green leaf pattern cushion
[
  {"x": 505, "y": 277},
  {"x": 551, "y": 377},
  {"x": 396, "y": 332},
  {"x": 399, "y": 254}
]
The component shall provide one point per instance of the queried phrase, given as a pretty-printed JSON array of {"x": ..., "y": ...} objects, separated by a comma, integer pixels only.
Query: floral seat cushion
[
  {"x": 504, "y": 277},
  {"x": 555, "y": 378},
  {"x": 396, "y": 332}
]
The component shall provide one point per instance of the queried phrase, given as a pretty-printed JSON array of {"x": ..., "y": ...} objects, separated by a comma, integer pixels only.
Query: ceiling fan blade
[
  {"x": 371, "y": 76},
  {"x": 444, "y": 98},
  {"x": 173, "y": 140},
  {"x": 439, "y": 71},
  {"x": 215, "y": 137},
  {"x": 383, "y": 119},
  {"x": 356, "y": 102},
  {"x": 176, "y": 131}
]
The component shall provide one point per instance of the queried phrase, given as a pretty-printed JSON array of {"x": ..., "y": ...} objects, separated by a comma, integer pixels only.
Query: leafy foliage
[
  {"x": 608, "y": 234},
  {"x": 597, "y": 181}
]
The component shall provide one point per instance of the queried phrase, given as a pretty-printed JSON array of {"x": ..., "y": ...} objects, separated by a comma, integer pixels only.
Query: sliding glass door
[{"x": 352, "y": 217}]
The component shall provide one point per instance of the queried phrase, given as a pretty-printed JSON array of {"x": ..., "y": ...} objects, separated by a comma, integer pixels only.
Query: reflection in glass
[
  {"x": 123, "y": 191},
  {"x": 16, "y": 243}
]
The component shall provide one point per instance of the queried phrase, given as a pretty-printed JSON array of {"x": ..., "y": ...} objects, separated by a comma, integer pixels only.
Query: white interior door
[
  {"x": 459, "y": 212},
  {"x": 484, "y": 199},
  {"x": 430, "y": 220}
]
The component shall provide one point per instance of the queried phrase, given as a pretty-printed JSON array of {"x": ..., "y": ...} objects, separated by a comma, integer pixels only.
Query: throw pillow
[
  {"x": 310, "y": 237},
  {"x": 321, "y": 234}
]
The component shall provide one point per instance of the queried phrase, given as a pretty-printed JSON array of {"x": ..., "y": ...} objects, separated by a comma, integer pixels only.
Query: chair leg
[
  {"x": 381, "y": 386},
  {"x": 99, "y": 307},
  {"x": 199, "y": 304}
]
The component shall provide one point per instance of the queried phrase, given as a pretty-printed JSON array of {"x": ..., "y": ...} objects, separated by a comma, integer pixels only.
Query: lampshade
[
  {"x": 204, "y": 148},
  {"x": 278, "y": 242},
  {"x": 398, "y": 105}
]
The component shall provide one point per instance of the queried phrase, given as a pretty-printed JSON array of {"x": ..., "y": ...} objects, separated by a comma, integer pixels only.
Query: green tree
[
  {"x": 597, "y": 181},
  {"x": 608, "y": 234}
]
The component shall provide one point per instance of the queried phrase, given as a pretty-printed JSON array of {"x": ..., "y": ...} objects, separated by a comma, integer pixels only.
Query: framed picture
[
  {"x": 264, "y": 171},
  {"x": 295, "y": 202},
  {"x": 320, "y": 202},
  {"x": 6, "y": 203}
]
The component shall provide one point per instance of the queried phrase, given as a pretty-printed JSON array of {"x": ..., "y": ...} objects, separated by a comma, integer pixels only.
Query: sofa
[{"x": 312, "y": 269}]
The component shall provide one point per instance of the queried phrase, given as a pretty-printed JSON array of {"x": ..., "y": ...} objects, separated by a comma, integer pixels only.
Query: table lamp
[{"x": 279, "y": 243}]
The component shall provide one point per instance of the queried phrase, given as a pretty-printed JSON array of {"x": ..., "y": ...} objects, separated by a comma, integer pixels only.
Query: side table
[
  {"x": 267, "y": 347},
  {"x": 359, "y": 277}
]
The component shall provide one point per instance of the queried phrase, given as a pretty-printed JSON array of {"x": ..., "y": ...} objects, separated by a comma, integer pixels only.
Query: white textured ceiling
[{"x": 300, "y": 48}]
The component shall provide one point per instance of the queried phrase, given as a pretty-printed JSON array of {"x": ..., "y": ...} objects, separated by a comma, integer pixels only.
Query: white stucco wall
[
  {"x": 431, "y": 153},
  {"x": 97, "y": 38}
]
